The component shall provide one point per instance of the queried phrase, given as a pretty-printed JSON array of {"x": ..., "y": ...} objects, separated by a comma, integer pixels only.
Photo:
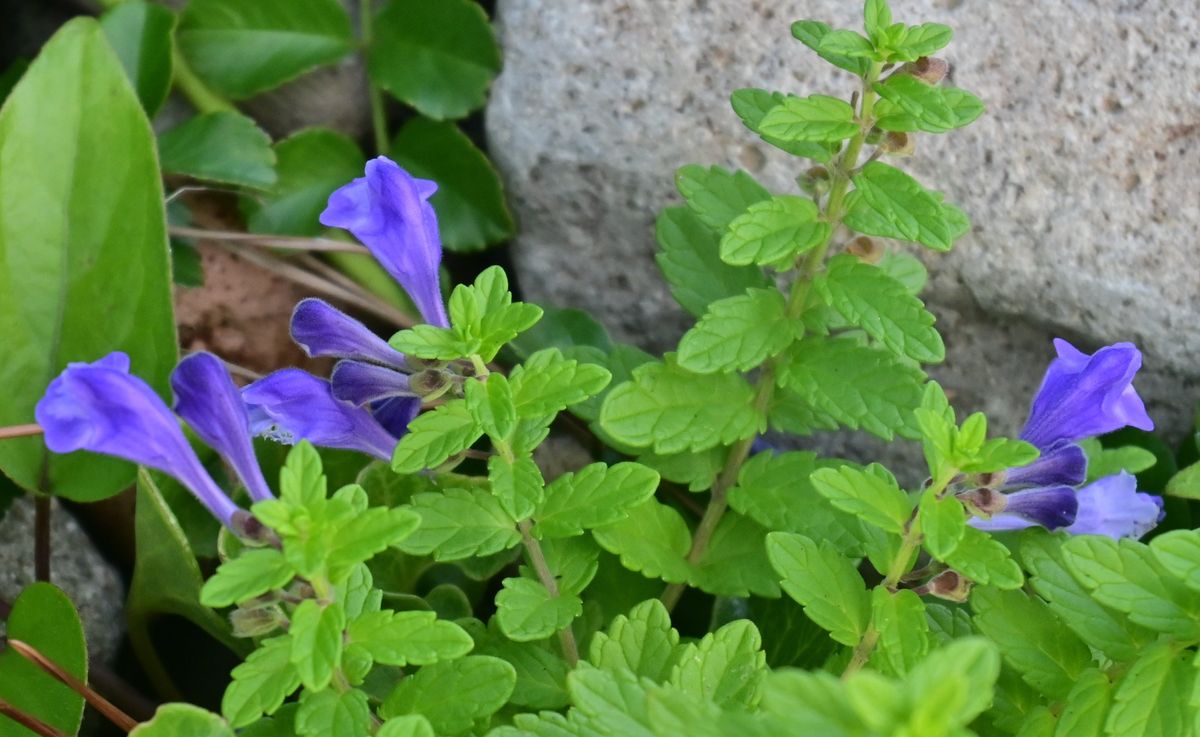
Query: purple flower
[
  {"x": 1051, "y": 507},
  {"x": 1112, "y": 506},
  {"x": 291, "y": 405},
  {"x": 388, "y": 210},
  {"x": 103, "y": 408},
  {"x": 1065, "y": 464}
]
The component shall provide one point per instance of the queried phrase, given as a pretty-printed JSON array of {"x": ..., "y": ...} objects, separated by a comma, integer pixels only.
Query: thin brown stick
[
  {"x": 20, "y": 431},
  {"x": 28, "y": 721},
  {"x": 42, "y": 511},
  {"x": 98, "y": 702},
  {"x": 287, "y": 242}
]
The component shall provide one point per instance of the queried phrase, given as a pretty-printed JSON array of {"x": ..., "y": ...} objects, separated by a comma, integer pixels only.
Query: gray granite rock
[
  {"x": 76, "y": 567},
  {"x": 1080, "y": 179}
]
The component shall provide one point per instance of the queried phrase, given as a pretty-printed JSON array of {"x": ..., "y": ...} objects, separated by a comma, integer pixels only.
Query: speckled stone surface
[{"x": 1081, "y": 179}]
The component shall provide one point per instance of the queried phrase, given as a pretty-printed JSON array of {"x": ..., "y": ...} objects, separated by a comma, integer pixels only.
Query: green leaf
[
  {"x": 984, "y": 560},
  {"x": 790, "y": 638},
  {"x": 943, "y": 523},
  {"x": 251, "y": 574},
  {"x": 1033, "y": 641},
  {"x": 717, "y": 195},
  {"x": 903, "y": 630},
  {"x": 141, "y": 34},
  {"x": 330, "y": 712},
  {"x": 408, "y": 638},
  {"x": 541, "y": 673},
  {"x": 696, "y": 471},
  {"x": 814, "y": 702},
  {"x": 1151, "y": 700},
  {"x": 183, "y": 720},
  {"x": 469, "y": 201},
  {"x": 1126, "y": 576},
  {"x": 670, "y": 409},
  {"x": 411, "y": 725},
  {"x": 816, "y": 118},
  {"x": 848, "y": 43},
  {"x": 906, "y": 269},
  {"x": 430, "y": 341},
  {"x": 1086, "y": 706},
  {"x": 242, "y": 48},
  {"x": 518, "y": 485},
  {"x": 595, "y": 495},
  {"x": 547, "y": 383},
  {"x": 316, "y": 635},
  {"x": 367, "y": 534},
  {"x": 437, "y": 57},
  {"x": 460, "y": 523},
  {"x": 877, "y": 16},
  {"x": 490, "y": 402},
  {"x": 735, "y": 561},
  {"x": 738, "y": 333},
  {"x": 1111, "y": 461},
  {"x": 435, "y": 436},
  {"x": 43, "y": 617},
  {"x": 653, "y": 540},
  {"x": 866, "y": 296},
  {"x": 609, "y": 703},
  {"x": 1186, "y": 483},
  {"x": 912, "y": 42},
  {"x": 952, "y": 685},
  {"x": 454, "y": 694},
  {"x": 224, "y": 147},
  {"x": 811, "y": 33},
  {"x": 1178, "y": 551},
  {"x": 871, "y": 495},
  {"x": 642, "y": 642},
  {"x": 261, "y": 683},
  {"x": 889, "y": 203},
  {"x": 752, "y": 105},
  {"x": 844, "y": 383},
  {"x": 774, "y": 233},
  {"x": 73, "y": 127},
  {"x": 309, "y": 165},
  {"x": 725, "y": 667},
  {"x": 691, "y": 263},
  {"x": 484, "y": 314},
  {"x": 528, "y": 611},
  {"x": 826, "y": 583},
  {"x": 571, "y": 331},
  {"x": 908, "y": 104}
]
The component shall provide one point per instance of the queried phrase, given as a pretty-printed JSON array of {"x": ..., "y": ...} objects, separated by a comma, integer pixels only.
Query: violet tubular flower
[{"x": 1113, "y": 506}]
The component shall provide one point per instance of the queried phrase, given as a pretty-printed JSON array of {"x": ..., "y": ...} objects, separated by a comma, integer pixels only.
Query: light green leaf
[
  {"x": 261, "y": 683},
  {"x": 547, "y": 383},
  {"x": 408, "y": 638},
  {"x": 813, "y": 702},
  {"x": 329, "y": 712},
  {"x": 844, "y": 383},
  {"x": 435, "y": 436},
  {"x": 1111, "y": 461},
  {"x": 903, "y": 629},
  {"x": 690, "y": 261},
  {"x": 642, "y": 642},
  {"x": 518, "y": 485},
  {"x": 84, "y": 264},
  {"x": 1151, "y": 700},
  {"x": 472, "y": 213},
  {"x": 541, "y": 673},
  {"x": 460, "y": 523},
  {"x": 490, "y": 402},
  {"x": 952, "y": 686},
  {"x": 1086, "y": 706},
  {"x": 653, "y": 540},
  {"x": 696, "y": 471},
  {"x": 752, "y": 105},
  {"x": 984, "y": 560},
  {"x": 1186, "y": 483},
  {"x": 224, "y": 147},
  {"x": 877, "y": 16},
  {"x": 906, "y": 269},
  {"x": 411, "y": 725},
  {"x": 430, "y": 341},
  {"x": 309, "y": 165},
  {"x": 717, "y": 195},
  {"x": 595, "y": 495},
  {"x": 671, "y": 409},
  {"x": 485, "y": 316},
  {"x": 438, "y": 57},
  {"x": 242, "y": 48},
  {"x": 839, "y": 43},
  {"x": 141, "y": 34},
  {"x": 738, "y": 333},
  {"x": 1178, "y": 551},
  {"x": 316, "y": 635},
  {"x": 774, "y": 233},
  {"x": 889, "y": 203},
  {"x": 908, "y": 104},
  {"x": 868, "y": 297},
  {"x": 725, "y": 667},
  {"x": 811, "y": 33},
  {"x": 826, "y": 583},
  {"x": 252, "y": 573},
  {"x": 913, "y": 42},
  {"x": 369, "y": 533},
  {"x": 871, "y": 495},
  {"x": 183, "y": 720},
  {"x": 735, "y": 561},
  {"x": 943, "y": 522},
  {"x": 817, "y": 118},
  {"x": 452, "y": 695},
  {"x": 528, "y": 611}
]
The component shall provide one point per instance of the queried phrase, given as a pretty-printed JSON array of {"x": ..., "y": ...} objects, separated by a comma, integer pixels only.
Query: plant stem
[
  {"x": 546, "y": 576},
  {"x": 202, "y": 97},
  {"x": 286, "y": 242},
  {"x": 366, "y": 18},
  {"x": 98, "y": 702},
  {"x": 20, "y": 431},
  {"x": 32, "y": 723}
]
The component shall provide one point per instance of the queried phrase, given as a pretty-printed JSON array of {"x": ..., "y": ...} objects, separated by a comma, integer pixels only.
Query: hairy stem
[
  {"x": 97, "y": 702},
  {"x": 366, "y": 18},
  {"x": 538, "y": 559}
]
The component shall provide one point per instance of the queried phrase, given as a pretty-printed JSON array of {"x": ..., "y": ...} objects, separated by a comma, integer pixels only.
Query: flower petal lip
[
  {"x": 101, "y": 407},
  {"x": 1112, "y": 506},
  {"x": 363, "y": 383},
  {"x": 291, "y": 405},
  {"x": 388, "y": 210},
  {"x": 1051, "y": 507},
  {"x": 323, "y": 330},
  {"x": 395, "y": 413},
  {"x": 1083, "y": 396},
  {"x": 1065, "y": 464},
  {"x": 206, "y": 398}
]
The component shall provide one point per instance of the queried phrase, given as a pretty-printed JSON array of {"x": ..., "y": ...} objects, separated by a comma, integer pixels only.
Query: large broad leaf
[
  {"x": 438, "y": 57},
  {"x": 223, "y": 147},
  {"x": 469, "y": 201},
  {"x": 310, "y": 165},
  {"x": 43, "y": 617},
  {"x": 83, "y": 247},
  {"x": 140, "y": 33},
  {"x": 240, "y": 47}
]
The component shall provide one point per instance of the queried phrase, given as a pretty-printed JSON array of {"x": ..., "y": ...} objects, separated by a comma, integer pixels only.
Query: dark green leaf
[
  {"x": 691, "y": 262},
  {"x": 224, "y": 147},
  {"x": 735, "y": 561},
  {"x": 140, "y": 33},
  {"x": 454, "y": 694},
  {"x": 310, "y": 165}
]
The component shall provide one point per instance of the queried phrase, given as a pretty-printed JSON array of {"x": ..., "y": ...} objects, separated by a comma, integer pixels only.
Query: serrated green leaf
[
  {"x": 642, "y": 642},
  {"x": 691, "y": 263},
  {"x": 309, "y": 165},
  {"x": 1086, "y": 706},
  {"x": 812, "y": 702},
  {"x": 368, "y": 533},
  {"x": 330, "y": 712},
  {"x": 454, "y": 694},
  {"x": 183, "y": 720},
  {"x": 1178, "y": 551},
  {"x": 541, "y": 673},
  {"x": 943, "y": 523},
  {"x": 653, "y": 540},
  {"x": 906, "y": 269},
  {"x": 410, "y": 725},
  {"x": 252, "y": 573},
  {"x": 866, "y": 296},
  {"x": 491, "y": 403},
  {"x": 899, "y": 616},
  {"x": 1186, "y": 483},
  {"x": 1110, "y": 461},
  {"x": 952, "y": 686},
  {"x": 435, "y": 436},
  {"x": 725, "y": 667},
  {"x": 224, "y": 147},
  {"x": 717, "y": 195},
  {"x": 985, "y": 561},
  {"x": 751, "y": 105},
  {"x": 430, "y": 341},
  {"x": 822, "y": 580},
  {"x": 811, "y": 32},
  {"x": 243, "y": 48},
  {"x": 1126, "y": 576},
  {"x": 912, "y": 42},
  {"x": 1033, "y": 641},
  {"x": 409, "y": 638},
  {"x": 816, "y": 118},
  {"x": 547, "y": 383},
  {"x": 460, "y": 523},
  {"x": 848, "y": 384},
  {"x": 840, "y": 43},
  {"x": 484, "y": 315},
  {"x": 889, "y": 203},
  {"x": 671, "y": 409},
  {"x": 774, "y": 233},
  {"x": 738, "y": 333},
  {"x": 518, "y": 485},
  {"x": 141, "y": 33},
  {"x": 316, "y": 637},
  {"x": 261, "y": 683},
  {"x": 528, "y": 611},
  {"x": 877, "y": 16},
  {"x": 735, "y": 561},
  {"x": 1150, "y": 701},
  {"x": 696, "y": 471},
  {"x": 595, "y": 495},
  {"x": 869, "y": 495},
  {"x": 908, "y": 104}
]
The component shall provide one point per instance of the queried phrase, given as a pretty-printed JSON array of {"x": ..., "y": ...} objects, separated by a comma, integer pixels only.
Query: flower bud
[
  {"x": 866, "y": 249},
  {"x": 898, "y": 143},
  {"x": 429, "y": 383},
  {"x": 928, "y": 69},
  {"x": 252, "y": 532},
  {"x": 815, "y": 181},
  {"x": 983, "y": 502},
  {"x": 255, "y": 622},
  {"x": 420, "y": 364},
  {"x": 949, "y": 585}
]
